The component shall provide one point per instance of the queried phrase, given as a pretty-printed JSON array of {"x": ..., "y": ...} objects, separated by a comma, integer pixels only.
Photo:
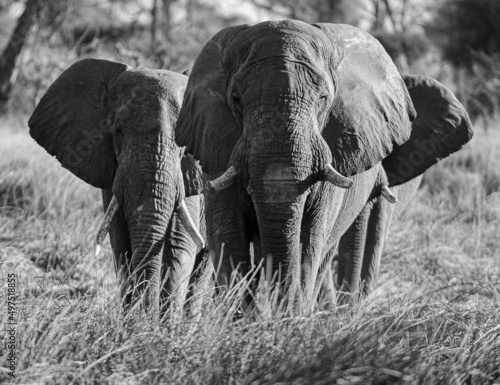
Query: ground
[{"x": 435, "y": 318}]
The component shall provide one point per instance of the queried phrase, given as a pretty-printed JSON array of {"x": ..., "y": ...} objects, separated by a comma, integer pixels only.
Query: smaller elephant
[
  {"x": 360, "y": 248},
  {"x": 113, "y": 127}
]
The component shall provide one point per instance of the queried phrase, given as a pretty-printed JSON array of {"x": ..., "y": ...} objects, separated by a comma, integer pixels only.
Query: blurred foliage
[
  {"x": 316, "y": 11},
  {"x": 15, "y": 46},
  {"x": 478, "y": 87},
  {"x": 468, "y": 35},
  {"x": 456, "y": 41},
  {"x": 404, "y": 48},
  {"x": 164, "y": 34},
  {"x": 463, "y": 27}
]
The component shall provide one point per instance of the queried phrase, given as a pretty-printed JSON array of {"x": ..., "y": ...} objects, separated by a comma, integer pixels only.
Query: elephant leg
[
  {"x": 327, "y": 290},
  {"x": 381, "y": 216},
  {"x": 378, "y": 224},
  {"x": 338, "y": 269},
  {"x": 120, "y": 243},
  {"x": 228, "y": 242},
  {"x": 179, "y": 256},
  {"x": 351, "y": 252}
]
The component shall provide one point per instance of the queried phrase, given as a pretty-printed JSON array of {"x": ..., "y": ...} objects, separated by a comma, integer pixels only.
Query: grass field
[{"x": 435, "y": 319}]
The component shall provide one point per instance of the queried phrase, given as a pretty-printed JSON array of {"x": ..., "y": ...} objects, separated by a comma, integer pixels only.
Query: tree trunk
[
  {"x": 14, "y": 47},
  {"x": 154, "y": 11},
  {"x": 167, "y": 10}
]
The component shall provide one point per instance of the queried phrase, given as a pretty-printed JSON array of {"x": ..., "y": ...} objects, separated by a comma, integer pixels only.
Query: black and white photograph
[{"x": 249, "y": 192}]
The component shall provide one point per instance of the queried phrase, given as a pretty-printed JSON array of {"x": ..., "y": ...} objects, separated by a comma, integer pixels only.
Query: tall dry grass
[{"x": 435, "y": 318}]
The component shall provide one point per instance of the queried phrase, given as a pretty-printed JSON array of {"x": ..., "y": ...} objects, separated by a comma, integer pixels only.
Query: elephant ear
[
  {"x": 205, "y": 116},
  {"x": 372, "y": 109},
  {"x": 70, "y": 120},
  {"x": 441, "y": 128}
]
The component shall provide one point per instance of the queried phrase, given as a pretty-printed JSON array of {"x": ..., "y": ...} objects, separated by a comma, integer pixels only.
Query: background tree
[
  {"x": 315, "y": 11},
  {"x": 398, "y": 26},
  {"x": 14, "y": 46},
  {"x": 463, "y": 27},
  {"x": 468, "y": 34},
  {"x": 157, "y": 33},
  {"x": 420, "y": 35}
]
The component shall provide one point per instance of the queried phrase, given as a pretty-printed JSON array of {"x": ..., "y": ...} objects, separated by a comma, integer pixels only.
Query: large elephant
[
  {"x": 441, "y": 118},
  {"x": 280, "y": 114},
  {"x": 113, "y": 127}
]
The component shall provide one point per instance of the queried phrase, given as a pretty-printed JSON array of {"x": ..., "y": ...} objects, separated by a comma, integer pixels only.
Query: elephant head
[
  {"x": 280, "y": 106},
  {"x": 113, "y": 127}
]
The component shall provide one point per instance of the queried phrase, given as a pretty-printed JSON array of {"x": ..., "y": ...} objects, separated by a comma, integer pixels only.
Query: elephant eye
[
  {"x": 236, "y": 99},
  {"x": 322, "y": 98}
]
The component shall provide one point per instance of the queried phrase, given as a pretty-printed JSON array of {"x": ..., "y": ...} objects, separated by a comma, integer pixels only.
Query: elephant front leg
[
  {"x": 326, "y": 295},
  {"x": 321, "y": 217},
  {"x": 120, "y": 243},
  {"x": 351, "y": 251},
  {"x": 228, "y": 243},
  {"x": 380, "y": 214}
]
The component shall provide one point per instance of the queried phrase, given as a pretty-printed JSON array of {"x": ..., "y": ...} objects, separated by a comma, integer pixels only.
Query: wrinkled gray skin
[
  {"x": 360, "y": 248},
  {"x": 112, "y": 126},
  {"x": 278, "y": 102}
]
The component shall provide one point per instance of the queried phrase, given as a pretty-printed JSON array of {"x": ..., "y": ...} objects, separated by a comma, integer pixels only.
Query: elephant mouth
[
  {"x": 329, "y": 174},
  {"x": 113, "y": 207},
  {"x": 277, "y": 190}
]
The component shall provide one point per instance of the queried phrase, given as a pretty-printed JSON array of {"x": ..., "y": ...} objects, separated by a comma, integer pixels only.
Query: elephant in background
[
  {"x": 113, "y": 127},
  {"x": 440, "y": 118},
  {"x": 289, "y": 120}
]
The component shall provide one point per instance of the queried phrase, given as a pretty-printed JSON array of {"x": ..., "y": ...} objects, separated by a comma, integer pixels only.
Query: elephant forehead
[
  {"x": 150, "y": 86},
  {"x": 288, "y": 39}
]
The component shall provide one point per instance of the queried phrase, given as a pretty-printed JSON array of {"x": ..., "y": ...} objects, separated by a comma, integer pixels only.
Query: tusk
[
  {"x": 334, "y": 177},
  {"x": 387, "y": 194},
  {"x": 106, "y": 222},
  {"x": 225, "y": 180},
  {"x": 189, "y": 224}
]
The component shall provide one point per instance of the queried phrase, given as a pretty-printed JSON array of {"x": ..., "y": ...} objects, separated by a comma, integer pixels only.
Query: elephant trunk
[
  {"x": 278, "y": 171},
  {"x": 280, "y": 156},
  {"x": 147, "y": 235},
  {"x": 279, "y": 227},
  {"x": 148, "y": 194}
]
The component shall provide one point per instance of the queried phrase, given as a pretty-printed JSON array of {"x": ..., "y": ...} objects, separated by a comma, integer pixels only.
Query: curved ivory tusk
[
  {"x": 333, "y": 176},
  {"x": 387, "y": 194},
  {"x": 189, "y": 224},
  {"x": 225, "y": 180},
  {"x": 106, "y": 222}
]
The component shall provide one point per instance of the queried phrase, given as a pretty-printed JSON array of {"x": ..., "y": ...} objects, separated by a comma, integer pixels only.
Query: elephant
[
  {"x": 113, "y": 127},
  {"x": 360, "y": 248},
  {"x": 290, "y": 122}
]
